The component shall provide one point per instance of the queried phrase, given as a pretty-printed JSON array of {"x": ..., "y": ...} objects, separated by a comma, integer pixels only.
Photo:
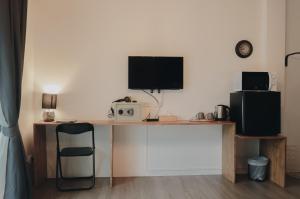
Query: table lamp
[{"x": 49, "y": 104}]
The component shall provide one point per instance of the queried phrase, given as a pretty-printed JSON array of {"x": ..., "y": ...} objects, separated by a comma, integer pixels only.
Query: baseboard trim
[{"x": 167, "y": 172}]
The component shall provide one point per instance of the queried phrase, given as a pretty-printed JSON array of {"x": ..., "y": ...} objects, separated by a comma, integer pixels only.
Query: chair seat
[{"x": 77, "y": 151}]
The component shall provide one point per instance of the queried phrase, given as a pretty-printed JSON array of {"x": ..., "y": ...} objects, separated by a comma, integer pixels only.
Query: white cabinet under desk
[{"x": 157, "y": 161}]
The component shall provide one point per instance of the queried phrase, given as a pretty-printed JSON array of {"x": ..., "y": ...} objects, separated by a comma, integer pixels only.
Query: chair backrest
[{"x": 75, "y": 129}]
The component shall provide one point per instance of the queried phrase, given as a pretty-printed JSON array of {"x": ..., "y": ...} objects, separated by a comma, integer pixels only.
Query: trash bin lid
[{"x": 258, "y": 161}]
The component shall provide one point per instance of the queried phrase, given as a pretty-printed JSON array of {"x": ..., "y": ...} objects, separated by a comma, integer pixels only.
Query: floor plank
[{"x": 176, "y": 187}]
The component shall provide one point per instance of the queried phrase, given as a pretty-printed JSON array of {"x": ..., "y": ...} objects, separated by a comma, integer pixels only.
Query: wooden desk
[
  {"x": 40, "y": 154},
  {"x": 274, "y": 147}
]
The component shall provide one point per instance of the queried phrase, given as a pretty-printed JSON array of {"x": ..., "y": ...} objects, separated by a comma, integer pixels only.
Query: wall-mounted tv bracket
[{"x": 287, "y": 57}]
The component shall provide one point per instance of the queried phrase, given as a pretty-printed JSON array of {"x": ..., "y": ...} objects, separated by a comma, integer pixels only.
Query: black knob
[
  {"x": 130, "y": 112},
  {"x": 120, "y": 112}
]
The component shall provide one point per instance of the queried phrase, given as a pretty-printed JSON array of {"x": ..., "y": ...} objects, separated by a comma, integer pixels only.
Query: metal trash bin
[{"x": 257, "y": 168}]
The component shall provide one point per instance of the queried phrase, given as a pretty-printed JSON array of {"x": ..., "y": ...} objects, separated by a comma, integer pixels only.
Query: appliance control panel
[{"x": 128, "y": 111}]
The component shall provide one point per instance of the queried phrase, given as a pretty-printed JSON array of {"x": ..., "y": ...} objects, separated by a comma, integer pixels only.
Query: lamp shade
[{"x": 49, "y": 101}]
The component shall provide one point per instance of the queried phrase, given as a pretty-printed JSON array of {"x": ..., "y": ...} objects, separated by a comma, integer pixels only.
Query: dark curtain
[{"x": 13, "y": 14}]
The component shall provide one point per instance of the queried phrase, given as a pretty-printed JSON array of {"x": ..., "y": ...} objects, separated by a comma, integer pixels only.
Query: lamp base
[{"x": 49, "y": 116}]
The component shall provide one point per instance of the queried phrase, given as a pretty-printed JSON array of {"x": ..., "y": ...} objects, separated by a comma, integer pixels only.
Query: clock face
[{"x": 244, "y": 49}]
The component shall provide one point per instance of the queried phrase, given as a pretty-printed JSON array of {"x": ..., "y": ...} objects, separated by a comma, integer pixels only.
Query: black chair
[{"x": 75, "y": 129}]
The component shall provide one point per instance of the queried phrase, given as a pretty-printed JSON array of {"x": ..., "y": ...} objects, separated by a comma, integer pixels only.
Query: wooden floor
[{"x": 179, "y": 187}]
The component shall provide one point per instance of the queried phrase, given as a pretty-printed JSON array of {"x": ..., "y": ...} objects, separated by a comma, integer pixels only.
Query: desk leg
[
  {"x": 275, "y": 150},
  {"x": 228, "y": 152},
  {"x": 39, "y": 155},
  {"x": 111, "y": 155}
]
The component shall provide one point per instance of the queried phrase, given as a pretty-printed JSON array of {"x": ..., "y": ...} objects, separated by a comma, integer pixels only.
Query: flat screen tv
[{"x": 161, "y": 73}]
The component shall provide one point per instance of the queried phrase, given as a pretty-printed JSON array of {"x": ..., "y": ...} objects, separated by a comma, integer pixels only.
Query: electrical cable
[
  {"x": 160, "y": 104},
  {"x": 156, "y": 100},
  {"x": 151, "y": 95}
]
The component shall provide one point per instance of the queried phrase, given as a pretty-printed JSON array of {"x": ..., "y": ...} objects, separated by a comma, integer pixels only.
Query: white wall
[
  {"x": 293, "y": 85},
  {"x": 90, "y": 44},
  {"x": 27, "y": 105},
  {"x": 83, "y": 48}
]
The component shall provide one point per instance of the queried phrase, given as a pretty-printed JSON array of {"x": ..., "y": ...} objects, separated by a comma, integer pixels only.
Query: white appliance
[
  {"x": 129, "y": 111},
  {"x": 258, "y": 81}
]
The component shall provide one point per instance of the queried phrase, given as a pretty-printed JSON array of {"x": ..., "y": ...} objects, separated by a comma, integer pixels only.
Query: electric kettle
[{"x": 221, "y": 112}]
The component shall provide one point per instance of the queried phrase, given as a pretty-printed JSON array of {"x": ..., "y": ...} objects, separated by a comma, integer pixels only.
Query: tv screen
[{"x": 155, "y": 73}]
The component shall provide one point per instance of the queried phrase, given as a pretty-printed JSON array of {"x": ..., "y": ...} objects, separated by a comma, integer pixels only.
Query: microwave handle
[{"x": 270, "y": 81}]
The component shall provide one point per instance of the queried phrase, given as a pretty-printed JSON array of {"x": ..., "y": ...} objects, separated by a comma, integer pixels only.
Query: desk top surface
[
  {"x": 274, "y": 137},
  {"x": 128, "y": 123}
]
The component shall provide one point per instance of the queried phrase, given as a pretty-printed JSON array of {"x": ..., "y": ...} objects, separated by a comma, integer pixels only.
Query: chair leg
[
  {"x": 57, "y": 173},
  {"x": 59, "y": 176},
  {"x": 60, "y": 169},
  {"x": 94, "y": 172}
]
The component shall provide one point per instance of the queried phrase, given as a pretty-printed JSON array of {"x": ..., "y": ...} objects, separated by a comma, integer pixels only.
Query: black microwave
[
  {"x": 256, "y": 113},
  {"x": 256, "y": 81}
]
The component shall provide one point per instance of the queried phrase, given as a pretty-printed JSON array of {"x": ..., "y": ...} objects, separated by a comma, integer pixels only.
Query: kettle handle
[
  {"x": 227, "y": 107},
  {"x": 228, "y": 112}
]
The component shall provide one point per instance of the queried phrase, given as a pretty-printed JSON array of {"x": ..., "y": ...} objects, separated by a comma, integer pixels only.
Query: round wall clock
[{"x": 244, "y": 49}]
